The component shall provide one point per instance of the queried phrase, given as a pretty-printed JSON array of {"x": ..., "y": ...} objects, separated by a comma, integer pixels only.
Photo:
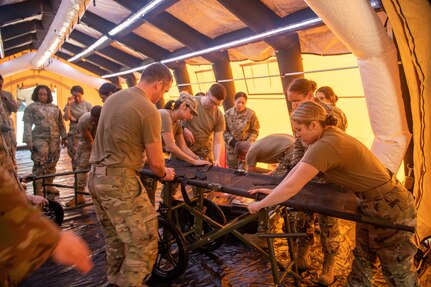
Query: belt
[
  {"x": 113, "y": 171},
  {"x": 378, "y": 190}
]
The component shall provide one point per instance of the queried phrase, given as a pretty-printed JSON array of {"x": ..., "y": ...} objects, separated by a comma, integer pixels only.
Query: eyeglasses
[{"x": 214, "y": 102}]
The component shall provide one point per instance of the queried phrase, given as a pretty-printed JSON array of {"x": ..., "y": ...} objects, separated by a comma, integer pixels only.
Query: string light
[
  {"x": 125, "y": 24},
  {"x": 235, "y": 43}
]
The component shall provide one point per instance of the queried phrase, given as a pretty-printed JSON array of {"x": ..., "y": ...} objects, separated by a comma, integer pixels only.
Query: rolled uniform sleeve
[{"x": 27, "y": 239}]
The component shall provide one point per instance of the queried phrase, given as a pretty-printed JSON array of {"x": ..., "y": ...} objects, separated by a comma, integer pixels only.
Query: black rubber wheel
[
  {"x": 54, "y": 211},
  {"x": 213, "y": 211},
  {"x": 173, "y": 255}
]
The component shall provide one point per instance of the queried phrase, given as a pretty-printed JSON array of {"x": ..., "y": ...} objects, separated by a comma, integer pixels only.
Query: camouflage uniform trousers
[
  {"x": 329, "y": 228},
  {"x": 285, "y": 163},
  {"x": 305, "y": 222},
  {"x": 232, "y": 160},
  {"x": 150, "y": 185},
  {"x": 394, "y": 248},
  {"x": 82, "y": 158},
  {"x": 130, "y": 226},
  {"x": 45, "y": 155},
  {"x": 11, "y": 143},
  {"x": 203, "y": 150},
  {"x": 72, "y": 145}
]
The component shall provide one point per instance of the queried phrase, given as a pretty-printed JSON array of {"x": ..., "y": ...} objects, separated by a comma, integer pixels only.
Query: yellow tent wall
[{"x": 411, "y": 22}]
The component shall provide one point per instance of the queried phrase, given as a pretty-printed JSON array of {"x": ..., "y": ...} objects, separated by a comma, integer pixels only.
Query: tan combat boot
[
  {"x": 303, "y": 258},
  {"x": 52, "y": 190},
  {"x": 327, "y": 276},
  {"x": 79, "y": 198}
]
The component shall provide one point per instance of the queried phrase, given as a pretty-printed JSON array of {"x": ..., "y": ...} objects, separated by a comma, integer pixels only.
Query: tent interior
[{"x": 374, "y": 54}]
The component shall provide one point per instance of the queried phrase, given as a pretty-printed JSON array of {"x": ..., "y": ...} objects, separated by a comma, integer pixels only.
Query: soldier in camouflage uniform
[
  {"x": 129, "y": 126},
  {"x": 28, "y": 239},
  {"x": 8, "y": 105},
  {"x": 204, "y": 134},
  {"x": 73, "y": 110},
  {"x": 299, "y": 91},
  {"x": 345, "y": 161},
  {"x": 44, "y": 139},
  {"x": 242, "y": 124},
  {"x": 87, "y": 126}
]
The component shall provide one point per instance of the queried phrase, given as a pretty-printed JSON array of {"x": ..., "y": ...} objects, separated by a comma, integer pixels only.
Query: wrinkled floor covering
[{"x": 234, "y": 264}]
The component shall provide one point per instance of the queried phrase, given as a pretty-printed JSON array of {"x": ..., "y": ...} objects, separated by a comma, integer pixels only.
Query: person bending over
[{"x": 347, "y": 162}]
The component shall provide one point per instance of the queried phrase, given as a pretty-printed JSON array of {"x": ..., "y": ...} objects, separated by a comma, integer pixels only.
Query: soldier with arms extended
[
  {"x": 204, "y": 134},
  {"x": 347, "y": 162},
  {"x": 129, "y": 125},
  {"x": 300, "y": 91},
  {"x": 175, "y": 112}
]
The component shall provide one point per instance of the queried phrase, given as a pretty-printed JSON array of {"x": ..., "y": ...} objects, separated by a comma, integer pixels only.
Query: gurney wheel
[
  {"x": 54, "y": 211},
  {"x": 173, "y": 255},
  {"x": 214, "y": 212}
]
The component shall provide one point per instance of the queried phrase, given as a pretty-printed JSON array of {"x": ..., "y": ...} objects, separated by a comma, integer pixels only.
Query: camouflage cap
[{"x": 190, "y": 102}]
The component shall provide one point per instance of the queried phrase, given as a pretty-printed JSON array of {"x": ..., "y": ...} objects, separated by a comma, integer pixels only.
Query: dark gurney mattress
[{"x": 327, "y": 199}]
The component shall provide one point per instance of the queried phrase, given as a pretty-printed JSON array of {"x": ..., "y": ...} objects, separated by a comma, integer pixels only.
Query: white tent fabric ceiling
[{"x": 207, "y": 18}]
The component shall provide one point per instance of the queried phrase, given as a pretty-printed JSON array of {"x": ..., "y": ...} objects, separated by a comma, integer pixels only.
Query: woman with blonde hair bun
[{"x": 345, "y": 161}]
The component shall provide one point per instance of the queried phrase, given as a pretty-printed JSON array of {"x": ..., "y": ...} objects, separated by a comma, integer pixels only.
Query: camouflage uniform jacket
[
  {"x": 27, "y": 239},
  {"x": 46, "y": 118},
  {"x": 5, "y": 110},
  {"x": 243, "y": 126},
  {"x": 6, "y": 120}
]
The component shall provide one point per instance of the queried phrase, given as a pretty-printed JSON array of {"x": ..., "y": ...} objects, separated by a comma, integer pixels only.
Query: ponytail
[
  {"x": 330, "y": 120},
  {"x": 169, "y": 105}
]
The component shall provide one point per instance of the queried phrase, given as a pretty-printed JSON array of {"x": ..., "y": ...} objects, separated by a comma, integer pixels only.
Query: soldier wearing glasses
[{"x": 204, "y": 134}]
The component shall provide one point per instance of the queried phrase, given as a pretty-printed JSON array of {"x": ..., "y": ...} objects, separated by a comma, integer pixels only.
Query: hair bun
[{"x": 331, "y": 120}]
